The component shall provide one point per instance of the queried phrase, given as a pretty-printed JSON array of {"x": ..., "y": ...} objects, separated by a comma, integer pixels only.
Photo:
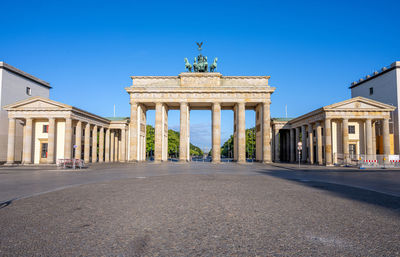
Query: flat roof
[
  {"x": 375, "y": 74},
  {"x": 8, "y": 67}
]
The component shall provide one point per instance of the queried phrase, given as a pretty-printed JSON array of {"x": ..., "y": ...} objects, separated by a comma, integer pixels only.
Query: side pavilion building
[{"x": 334, "y": 133}]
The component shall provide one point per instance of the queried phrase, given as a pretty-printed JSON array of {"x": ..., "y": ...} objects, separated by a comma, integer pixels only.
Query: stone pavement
[{"x": 198, "y": 209}]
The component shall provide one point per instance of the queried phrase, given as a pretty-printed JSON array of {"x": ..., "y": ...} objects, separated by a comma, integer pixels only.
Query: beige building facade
[
  {"x": 54, "y": 131},
  {"x": 334, "y": 133},
  {"x": 200, "y": 91}
]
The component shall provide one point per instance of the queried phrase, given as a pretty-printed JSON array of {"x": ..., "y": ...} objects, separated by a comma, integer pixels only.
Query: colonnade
[
  {"x": 100, "y": 143},
  {"x": 161, "y": 131},
  {"x": 317, "y": 136}
]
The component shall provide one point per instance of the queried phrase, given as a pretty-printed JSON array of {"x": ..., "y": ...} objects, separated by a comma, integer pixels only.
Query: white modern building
[
  {"x": 16, "y": 85},
  {"x": 383, "y": 86}
]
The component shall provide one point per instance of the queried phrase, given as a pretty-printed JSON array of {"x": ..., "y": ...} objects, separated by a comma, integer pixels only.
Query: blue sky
[{"x": 88, "y": 50}]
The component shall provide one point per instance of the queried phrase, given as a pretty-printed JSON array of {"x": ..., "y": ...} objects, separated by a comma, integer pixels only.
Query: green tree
[
  {"x": 173, "y": 143},
  {"x": 227, "y": 147}
]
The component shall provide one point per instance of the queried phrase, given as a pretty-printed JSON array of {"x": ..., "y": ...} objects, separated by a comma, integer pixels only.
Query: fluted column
[
  {"x": 304, "y": 143},
  {"x": 68, "y": 139},
  {"x": 345, "y": 137},
  {"x": 11, "y": 141},
  {"x": 319, "y": 144},
  {"x": 51, "y": 140},
  {"x": 112, "y": 145},
  {"x": 107, "y": 150},
  {"x": 276, "y": 144},
  {"x": 86, "y": 149},
  {"x": 328, "y": 142},
  {"x": 123, "y": 145},
  {"x": 158, "y": 135},
  {"x": 374, "y": 140},
  {"x": 310, "y": 144},
  {"x": 296, "y": 142},
  {"x": 133, "y": 137},
  {"x": 28, "y": 142},
  {"x": 292, "y": 154},
  {"x": 216, "y": 132},
  {"x": 266, "y": 132},
  {"x": 368, "y": 129},
  {"x": 241, "y": 133},
  {"x": 94, "y": 144},
  {"x": 78, "y": 140},
  {"x": 116, "y": 147},
  {"x": 101, "y": 145},
  {"x": 183, "y": 134},
  {"x": 386, "y": 138}
]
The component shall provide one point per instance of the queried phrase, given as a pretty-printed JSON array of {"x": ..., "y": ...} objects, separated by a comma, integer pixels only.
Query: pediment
[
  {"x": 359, "y": 103},
  {"x": 37, "y": 103}
]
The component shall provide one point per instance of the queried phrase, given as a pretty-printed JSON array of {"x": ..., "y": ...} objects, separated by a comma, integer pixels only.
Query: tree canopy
[{"x": 173, "y": 143}]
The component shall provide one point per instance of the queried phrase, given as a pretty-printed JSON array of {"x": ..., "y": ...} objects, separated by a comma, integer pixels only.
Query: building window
[
  {"x": 371, "y": 91},
  {"x": 352, "y": 149},
  {"x": 45, "y": 128},
  {"x": 352, "y": 129},
  {"x": 28, "y": 91}
]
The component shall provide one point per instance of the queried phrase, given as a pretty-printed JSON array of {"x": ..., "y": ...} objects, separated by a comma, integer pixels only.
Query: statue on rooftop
[{"x": 200, "y": 63}]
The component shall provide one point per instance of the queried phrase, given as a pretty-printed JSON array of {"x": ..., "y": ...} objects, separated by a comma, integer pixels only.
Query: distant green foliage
[
  {"x": 227, "y": 147},
  {"x": 173, "y": 143}
]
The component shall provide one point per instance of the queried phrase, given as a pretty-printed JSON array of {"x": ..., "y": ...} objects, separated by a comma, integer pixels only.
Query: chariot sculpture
[{"x": 200, "y": 63}]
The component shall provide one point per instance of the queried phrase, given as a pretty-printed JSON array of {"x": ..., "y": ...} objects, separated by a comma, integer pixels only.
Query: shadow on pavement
[
  {"x": 353, "y": 193},
  {"x": 5, "y": 204}
]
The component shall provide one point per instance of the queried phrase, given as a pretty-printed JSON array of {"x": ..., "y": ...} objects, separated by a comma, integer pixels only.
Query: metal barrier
[
  {"x": 364, "y": 161},
  {"x": 70, "y": 163}
]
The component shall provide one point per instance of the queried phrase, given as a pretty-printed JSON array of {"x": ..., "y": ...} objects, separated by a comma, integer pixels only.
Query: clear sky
[{"x": 88, "y": 50}]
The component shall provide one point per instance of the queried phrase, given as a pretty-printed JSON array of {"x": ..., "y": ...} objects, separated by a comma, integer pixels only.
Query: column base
[{"x": 216, "y": 161}]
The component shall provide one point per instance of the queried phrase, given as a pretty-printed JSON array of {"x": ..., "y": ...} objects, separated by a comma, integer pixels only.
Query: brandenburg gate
[{"x": 199, "y": 90}]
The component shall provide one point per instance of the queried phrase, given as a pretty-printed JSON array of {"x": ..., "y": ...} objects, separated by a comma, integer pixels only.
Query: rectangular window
[
  {"x": 28, "y": 91},
  {"x": 352, "y": 129},
  {"x": 44, "y": 150},
  {"x": 371, "y": 91},
  {"x": 45, "y": 128},
  {"x": 352, "y": 149}
]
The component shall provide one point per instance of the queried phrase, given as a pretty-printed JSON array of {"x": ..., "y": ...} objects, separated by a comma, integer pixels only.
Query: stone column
[
  {"x": 374, "y": 140},
  {"x": 266, "y": 132},
  {"x": 51, "y": 140},
  {"x": 277, "y": 144},
  {"x": 94, "y": 144},
  {"x": 158, "y": 135},
  {"x": 68, "y": 139},
  {"x": 386, "y": 138},
  {"x": 112, "y": 145},
  {"x": 123, "y": 145},
  {"x": 241, "y": 133},
  {"x": 101, "y": 145},
  {"x": 319, "y": 144},
  {"x": 107, "y": 150},
  {"x": 368, "y": 129},
  {"x": 86, "y": 150},
  {"x": 328, "y": 142},
  {"x": 216, "y": 132},
  {"x": 345, "y": 137},
  {"x": 28, "y": 142},
  {"x": 310, "y": 144},
  {"x": 116, "y": 147},
  {"x": 296, "y": 142},
  {"x": 11, "y": 141},
  {"x": 304, "y": 143},
  {"x": 292, "y": 154},
  {"x": 133, "y": 136},
  {"x": 183, "y": 137},
  {"x": 78, "y": 140}
]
